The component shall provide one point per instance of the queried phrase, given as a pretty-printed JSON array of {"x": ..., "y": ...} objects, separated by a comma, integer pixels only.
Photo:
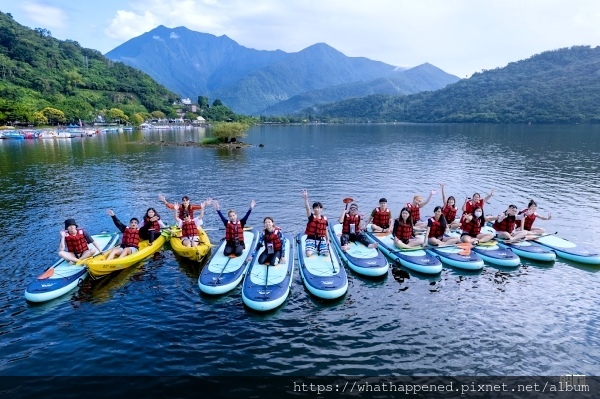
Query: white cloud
[
  {"x": 174, "y": 35},
  {"x": 45, "y": 15},
  {"x": 459, "y": 36}
]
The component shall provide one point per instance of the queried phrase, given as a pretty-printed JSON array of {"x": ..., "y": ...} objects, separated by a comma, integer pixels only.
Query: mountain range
[{"x": 266, "y": 82}]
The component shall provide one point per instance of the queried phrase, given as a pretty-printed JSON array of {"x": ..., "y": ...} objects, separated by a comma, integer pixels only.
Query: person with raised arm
[
  {"x": 74, "y": 243},
  {"x": 189, "y": 226},
  {"x": 131, "y": 237},
  {"x": 151, "y": 225},
  {"x": 449, "y": 210},
  {"x": 381, "y": 218},
  {"x": 505, "y": 225},
  {"x": 317, "y": 238},
  {"x": 475, "y": 202},
  {"x": 471, "y": 225},
  {"x": 234, "y": 229},
  {"x": 528, "y": 216},
  {"x": 184, "y": 206},
  {"x": 414, "y": 208}
]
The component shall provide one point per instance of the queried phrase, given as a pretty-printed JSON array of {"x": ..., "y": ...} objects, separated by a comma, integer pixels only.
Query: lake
[{"x": 151, "y": 320}]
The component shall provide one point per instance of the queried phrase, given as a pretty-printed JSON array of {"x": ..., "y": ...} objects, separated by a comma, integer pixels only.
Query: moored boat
[
  {"x": 223, "y": 273},
  {"x": 64, "y": 277},
  {"x": 323, "y": 276},
  {"x": 361, "y": 259},
  {"x": 267, "y": 287}
]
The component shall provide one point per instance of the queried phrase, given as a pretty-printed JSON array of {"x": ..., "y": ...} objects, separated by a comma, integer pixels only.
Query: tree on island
[{"x": 226, "y": 132}]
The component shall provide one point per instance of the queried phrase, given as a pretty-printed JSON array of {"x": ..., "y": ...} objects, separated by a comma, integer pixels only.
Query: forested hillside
[
  {"x": 559, "y": 86},
  {"x": 38, "y": 71}
]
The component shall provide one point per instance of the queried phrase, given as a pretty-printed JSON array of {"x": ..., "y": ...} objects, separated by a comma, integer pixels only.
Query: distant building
[{"x": 186, "y": 101}]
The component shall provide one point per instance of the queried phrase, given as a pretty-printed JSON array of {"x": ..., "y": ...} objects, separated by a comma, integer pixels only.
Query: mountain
[
  {"x": 249, "y": 81},
  {"x": 558, "y": 86},
  {"x": 39, "y": 71},
  {"x": 425, "y": 77},
  {"x": 192, "y": 63}
]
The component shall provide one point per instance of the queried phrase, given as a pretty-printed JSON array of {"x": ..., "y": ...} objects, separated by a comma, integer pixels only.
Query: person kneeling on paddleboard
[
  {"x": 352, "y": 229},
  {"x": 436, "y": 229},
  {"x": 381, "y": 217},
  {"x": 272, "y": 238},
  {"x": 316, "y": 229},
  {"x": 234, "y": 229},
  {"x": 404, "y": 232},
  {"x": 131, "y": 237},
  {"x": 74, "y": 243}
]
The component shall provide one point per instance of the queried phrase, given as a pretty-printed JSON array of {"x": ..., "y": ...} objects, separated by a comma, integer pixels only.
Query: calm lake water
[{"x": 152, "y": 320}]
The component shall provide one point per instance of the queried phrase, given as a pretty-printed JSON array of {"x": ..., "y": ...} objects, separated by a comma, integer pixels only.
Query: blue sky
[{"x": 459, "y": 36}]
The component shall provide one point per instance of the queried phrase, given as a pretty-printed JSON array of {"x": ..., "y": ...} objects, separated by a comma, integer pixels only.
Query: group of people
[{"x": 511, "y": 225}]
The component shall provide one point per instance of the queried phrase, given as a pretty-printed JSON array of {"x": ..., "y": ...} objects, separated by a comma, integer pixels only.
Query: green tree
[
  {"x": 217, "y": 102},
  {"x": 137, "y": 119},
  {"x": 39, "y": 118},
  {"x": 225, "y": 131},
  {"x": 53, "y": 115},
  {"x": 202, "y": 102},
  {"x": 158, "y": 114},
  {"x": 117, "y": 115}
]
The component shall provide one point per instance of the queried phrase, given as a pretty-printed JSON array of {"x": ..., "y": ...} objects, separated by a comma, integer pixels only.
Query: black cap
[
  {"x": 382, "y": 200},
  {"x": 70, "y": 222}
]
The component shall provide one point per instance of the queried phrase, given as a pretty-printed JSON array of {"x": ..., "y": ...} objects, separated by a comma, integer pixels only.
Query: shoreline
[{"x": 237, "y": 144}]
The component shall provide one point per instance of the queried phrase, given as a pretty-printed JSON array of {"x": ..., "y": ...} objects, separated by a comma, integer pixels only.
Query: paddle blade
[
  {"x": 47, "y": 274},
  {"x": 348, "y": 200},
  {"x": 465, "y": 252},
  {"x": 464, "y": 245}
]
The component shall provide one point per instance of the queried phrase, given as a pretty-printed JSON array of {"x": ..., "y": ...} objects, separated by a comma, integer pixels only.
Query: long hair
[
  {"x": 408, "y": 220},
  {"x": 147, "y": 218},
  {"x": 442, "y": 220},
  {"x": 480, "y": 218}
]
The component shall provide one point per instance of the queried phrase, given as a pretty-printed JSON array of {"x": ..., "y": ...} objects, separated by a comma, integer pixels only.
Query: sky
[{"x": 459, "y": 36}]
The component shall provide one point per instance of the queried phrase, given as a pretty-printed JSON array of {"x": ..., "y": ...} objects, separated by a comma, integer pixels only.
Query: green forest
[
  {"x": 44, "y": 80},
  {"x": 559, "y": 86}
]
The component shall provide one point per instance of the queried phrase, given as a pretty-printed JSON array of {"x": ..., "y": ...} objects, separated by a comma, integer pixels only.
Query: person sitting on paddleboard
[
  {"x": 352, "y": 229},
  {"x": 404, "y": 232},
  {"x": 471, "y": 224},
  {"x": 189, "y": 226},
  {"x": 528, "y": 216},
  {"x": 316, "y": 228},
  {"x": 414, "y": 208},
  {"x": 381, "y": 218},
  {"x": 449, "y": 210},
  {"x": 505, "y": 225},
  {"x": 274, "y": 241},
  {"x": 234, "y": 229},
  {"x": 131, "y": 237},
  {"x": 472, "y": 203},
  {"x": 185, "y": 206},
  {"x": 74, "y": 243},
  {"x": 436, "y": 228},
  {"x": 151, "y": 226}
]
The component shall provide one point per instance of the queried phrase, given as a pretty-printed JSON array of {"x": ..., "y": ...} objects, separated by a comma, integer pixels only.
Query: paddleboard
[{"x": 361, "y": 259}]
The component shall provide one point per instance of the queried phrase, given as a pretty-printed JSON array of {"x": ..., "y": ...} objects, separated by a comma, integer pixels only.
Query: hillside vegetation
[
  {"x": 38, "y": 72},
  {"x": 559, "y": 86}
]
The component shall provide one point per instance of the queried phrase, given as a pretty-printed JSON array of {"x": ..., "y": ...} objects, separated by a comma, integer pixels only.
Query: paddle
[
  {"x": 50, "y": 271},
  {"x": 347, "y": 200},
  {"x": 223, "y": 269},
  {"x": 266, "y": 281}
]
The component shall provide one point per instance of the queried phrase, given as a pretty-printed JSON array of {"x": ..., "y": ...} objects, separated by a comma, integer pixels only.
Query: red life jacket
[
  {"x": 381, "y": 218},
  {"x": 415, "y": 212},
  {"x": 233, "y": 231},
  {"x": 508, "y": 224},
  {"x": 189, "y": 229},
  {"x": 529, "y": 219},
  {"x": 273, "y": 238},
  {"x": 470, "y": 207},
  {"x": 348, "y": 220},
  {"x": 316, "y": 227},
  {"x": 152, "y": 225},
  {"x": 182, "y": 211},
  {"x": 76, "y": 243},
  {"x": 472, "y": 228},
  {"x": 131, "y": 238},
  {"x": 449, "y": 213},
  {"x": 435, "y": 230},
  {"x": 404, "y": 231}
]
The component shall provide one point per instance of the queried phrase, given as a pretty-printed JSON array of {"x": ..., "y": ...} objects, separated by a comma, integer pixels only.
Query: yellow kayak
[
  {"x": 196, "y": 253},
  {"x": 99, "y": 266}
]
